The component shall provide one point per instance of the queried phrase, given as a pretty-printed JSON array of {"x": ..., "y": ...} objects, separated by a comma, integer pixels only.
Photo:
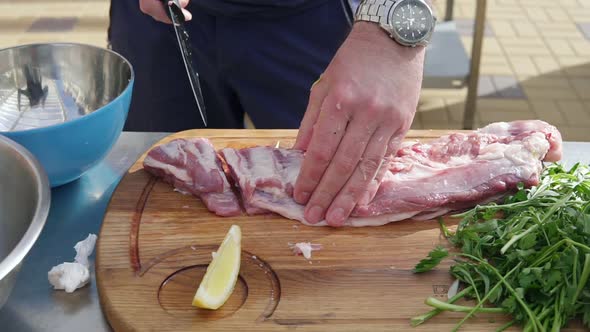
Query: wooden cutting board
[{"x": 155, "y": 244}]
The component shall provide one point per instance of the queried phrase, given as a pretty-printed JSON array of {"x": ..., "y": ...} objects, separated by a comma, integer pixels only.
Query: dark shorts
[{"x": 262, "y": 67}]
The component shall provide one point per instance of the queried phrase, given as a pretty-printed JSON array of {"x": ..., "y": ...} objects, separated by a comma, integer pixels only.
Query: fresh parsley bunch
[{"x": 528, "y": 257}]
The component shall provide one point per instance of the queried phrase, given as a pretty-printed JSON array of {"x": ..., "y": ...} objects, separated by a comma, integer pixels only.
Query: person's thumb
[{"x": 155, "y": 9}]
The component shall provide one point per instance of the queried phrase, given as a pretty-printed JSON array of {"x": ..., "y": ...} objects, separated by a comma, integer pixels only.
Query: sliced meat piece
[
  {"x": 223, "y": 204},
  {"x": 192, "y": 165},
  {"x": 264, "y": 175},
  {"x": 204, "y": 167},
  {"x": 168, "y": 161}
]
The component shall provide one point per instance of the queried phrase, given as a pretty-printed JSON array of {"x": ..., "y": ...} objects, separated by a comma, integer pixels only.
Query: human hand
[
  {"x": 155, "y": 8},
  {"x": 358, "y": 113}
]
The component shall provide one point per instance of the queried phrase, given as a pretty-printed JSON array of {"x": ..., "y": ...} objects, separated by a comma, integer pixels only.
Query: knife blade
[{"x": 177, "y": 17}]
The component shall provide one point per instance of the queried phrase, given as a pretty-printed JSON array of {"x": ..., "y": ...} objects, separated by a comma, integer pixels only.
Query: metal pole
[
  {"x": 449, "y": 12},
  {"x": 478, "y": 33}
]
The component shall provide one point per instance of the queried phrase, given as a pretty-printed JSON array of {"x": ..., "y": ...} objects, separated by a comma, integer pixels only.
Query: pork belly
[{"x": 423, "y": 180}]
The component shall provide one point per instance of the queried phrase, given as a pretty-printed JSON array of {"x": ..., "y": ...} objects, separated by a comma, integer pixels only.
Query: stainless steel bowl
[
  {"x": 42, "y": 85},
  {"x": 66, "y": 103},
  {"x": 24, "y": 206}
]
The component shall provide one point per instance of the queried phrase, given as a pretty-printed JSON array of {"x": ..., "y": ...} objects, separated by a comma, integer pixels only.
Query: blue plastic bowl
[{"x": 66, "y": 103}]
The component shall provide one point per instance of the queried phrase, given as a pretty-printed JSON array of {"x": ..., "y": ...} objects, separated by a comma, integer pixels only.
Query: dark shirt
[{"x": 255, "y": 8}]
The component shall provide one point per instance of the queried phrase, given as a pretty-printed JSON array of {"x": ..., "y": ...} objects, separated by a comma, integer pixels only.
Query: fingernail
[
  {"x": 314, "y": 215},
  {"x": 187, "y": 15},
  {"x": 303, "y": 197},
  {"x": 335, "y": 216}
]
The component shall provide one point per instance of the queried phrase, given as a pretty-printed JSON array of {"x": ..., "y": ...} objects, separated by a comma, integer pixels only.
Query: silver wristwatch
[{"x": 409, "y": 22}]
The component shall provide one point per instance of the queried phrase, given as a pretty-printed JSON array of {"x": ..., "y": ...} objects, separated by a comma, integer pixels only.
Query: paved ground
[{"x": 536, "y": 56}]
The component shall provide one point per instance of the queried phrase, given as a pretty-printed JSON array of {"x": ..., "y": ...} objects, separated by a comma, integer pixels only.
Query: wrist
[
  {"x": 368, "y": 30},
  {"x": 372, "y": 34}
]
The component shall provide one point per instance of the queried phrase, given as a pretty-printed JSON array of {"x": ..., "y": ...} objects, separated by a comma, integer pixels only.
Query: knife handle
[{"x": 175, "y": 7}]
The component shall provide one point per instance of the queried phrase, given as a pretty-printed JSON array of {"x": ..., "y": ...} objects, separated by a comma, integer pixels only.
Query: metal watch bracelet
[{"x": 374, "y": 11}]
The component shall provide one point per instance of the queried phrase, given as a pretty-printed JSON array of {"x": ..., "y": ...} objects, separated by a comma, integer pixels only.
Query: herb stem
[
  {"x": 578, "y": 244},
  {"x": 540, "y": 317},
  {"x": 583, "y": 278},
  {"x": 557, "y": 313},
  {"x": 445, "y": 230},
  {"x": 575, "y": 268},
  {"x": 548, "y": 251},
  {"x": 506, "y": 326},
  {"x": 539, "y": 221},
  {"x": 516, "y": 238},
  {"x": 546, "y": 325},
  {"x": 461, "y": 308},
  {"x": 529, "y": 326},
  {"x": 544, "y": 313},
  {"x": 423, "y": 318}
]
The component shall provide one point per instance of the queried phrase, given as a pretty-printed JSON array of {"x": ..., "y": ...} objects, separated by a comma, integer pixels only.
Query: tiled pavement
[{"x": 535, "y": 64}]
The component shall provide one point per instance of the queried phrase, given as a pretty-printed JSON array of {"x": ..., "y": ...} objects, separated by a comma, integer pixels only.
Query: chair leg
[
  {"x": 476, "y": 49},
  {"x": 449, "y": 11}
]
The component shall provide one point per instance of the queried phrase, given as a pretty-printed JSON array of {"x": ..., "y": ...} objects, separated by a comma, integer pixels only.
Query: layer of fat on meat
[
  {"x": 180, "y": 174},
  {"x": 174, "y": 150},
  {"x": 208, "y": 160},
  {"x": 184, "y": 192},
  {"x": 70, "y": 276}
]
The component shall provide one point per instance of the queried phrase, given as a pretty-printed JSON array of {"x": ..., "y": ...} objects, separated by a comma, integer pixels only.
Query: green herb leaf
[
  {"x": 433, "y": 259},
  {"x": 528, "y": 241}
]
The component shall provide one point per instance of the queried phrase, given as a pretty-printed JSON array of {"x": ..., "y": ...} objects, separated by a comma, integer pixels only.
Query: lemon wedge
[{"x": 222, "y": 273}]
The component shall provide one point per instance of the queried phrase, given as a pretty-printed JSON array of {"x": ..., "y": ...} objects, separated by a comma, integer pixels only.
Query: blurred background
[{"x": 535, "y": 57}]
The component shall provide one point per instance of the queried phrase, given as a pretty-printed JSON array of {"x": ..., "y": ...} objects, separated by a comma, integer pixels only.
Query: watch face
[{"x": 411, "y": 20}]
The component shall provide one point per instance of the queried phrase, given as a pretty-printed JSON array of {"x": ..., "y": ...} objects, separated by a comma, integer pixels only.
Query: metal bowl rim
[
  {"x": 22, "y": 248},
  {"x": 82, "y": 118}
]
